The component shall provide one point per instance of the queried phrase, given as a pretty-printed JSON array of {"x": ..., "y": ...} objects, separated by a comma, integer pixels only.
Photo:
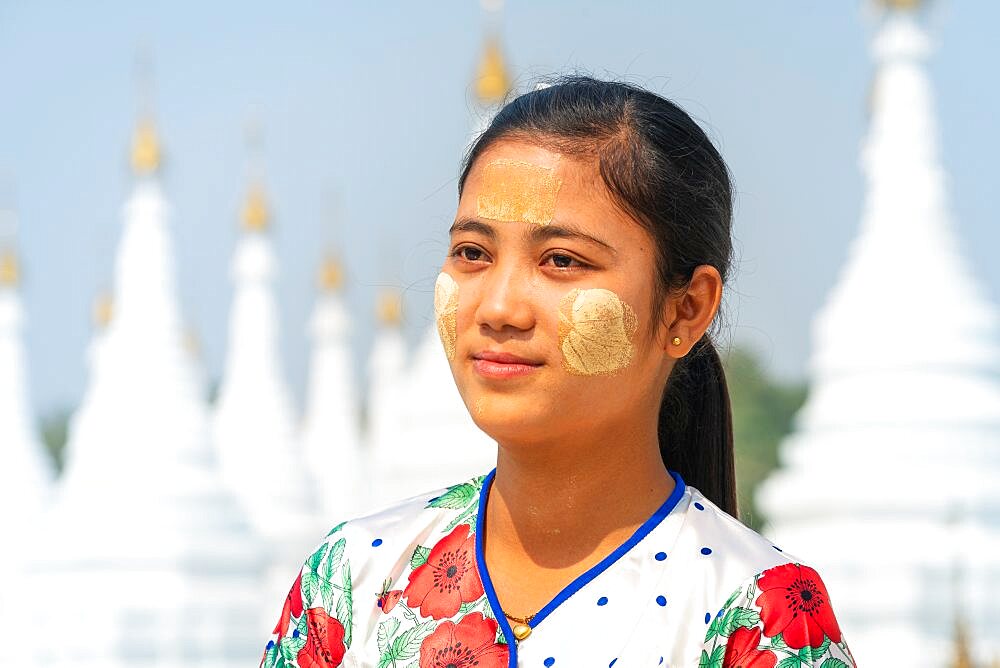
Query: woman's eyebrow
[
  {"x": 473, "y": 225},
  {"x": 542, "y": 233},
  {"x": 535, "y": 234}
]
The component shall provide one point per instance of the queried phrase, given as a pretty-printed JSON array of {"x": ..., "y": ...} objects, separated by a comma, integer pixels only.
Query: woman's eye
[
  {"x": 564, "y": 261},
  {"x": 469, "y": 253}
]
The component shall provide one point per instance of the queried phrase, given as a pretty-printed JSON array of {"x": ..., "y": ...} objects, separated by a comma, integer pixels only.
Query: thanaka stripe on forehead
[{"x": 534, "y": 234}]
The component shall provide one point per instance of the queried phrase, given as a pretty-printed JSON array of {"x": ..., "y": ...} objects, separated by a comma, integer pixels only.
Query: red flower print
[
  {"x": 388, "y": 600},
  {"x": 324, "y": 646},
  {"x": 292, "y": 607},
  {"x": 794, "y": 603},
  {"x": 742, "y": 652},
  {"x": 471, "y": 642},
  {"x": 449, "y": 578}
]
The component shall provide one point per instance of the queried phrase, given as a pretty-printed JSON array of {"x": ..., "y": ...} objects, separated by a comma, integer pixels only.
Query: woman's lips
[{"x": 493, "y": 364}]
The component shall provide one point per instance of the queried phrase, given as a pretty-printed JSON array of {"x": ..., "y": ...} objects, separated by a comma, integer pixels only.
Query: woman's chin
[{"x": 508, "y": 419}]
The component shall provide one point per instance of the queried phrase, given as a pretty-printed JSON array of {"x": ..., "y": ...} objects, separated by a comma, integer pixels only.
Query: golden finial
[
  {"x": 492, "y": 80},
  {"x": 192, "y": 342},
  {"x": 390, "y": 308},
  {"x": 331, "y": 274},
  {"x": 145, "y": 148},
  {"x": 9, "y": 270},
  {"x": 103, "y": 310},
  {"x": 961, "y": 657},
  {"x": 255, "y": 212}
]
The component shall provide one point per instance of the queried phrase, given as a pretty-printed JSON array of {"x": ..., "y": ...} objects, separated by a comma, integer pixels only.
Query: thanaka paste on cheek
[
  {"x": 518, "y": 192},
  {"x": 595, "y": 332},
  {"x": 445, "y": 312}
]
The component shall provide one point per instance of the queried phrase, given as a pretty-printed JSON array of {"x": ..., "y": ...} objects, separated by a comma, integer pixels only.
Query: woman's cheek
[
  {"x": 445, "y": 312},
  {"x": 596, "y": 332}
]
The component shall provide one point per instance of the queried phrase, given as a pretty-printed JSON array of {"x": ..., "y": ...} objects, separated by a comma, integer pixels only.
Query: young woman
[{"x": 586, "y": 265}]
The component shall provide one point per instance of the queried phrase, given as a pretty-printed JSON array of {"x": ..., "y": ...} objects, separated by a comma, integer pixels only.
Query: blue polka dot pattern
[
  {"x": 612, "y": 662},
  {"x": 699, "y": 506},
  {"x": 661, "y": 599},
  {"x": 549, "y": 661},
  {"x": 295, "y": 633},
  {"x": 720, "y": 612},
  {"x": 376, "y": 542},
  {"x": 706, "y": 550},
  {"x": 270, "y": 644},
  {"x": 660, "y": 556},
  {"x": 602, "y": 600},
  {"x": 661, "y": 660},
  {"x": 708, "y": 617}
]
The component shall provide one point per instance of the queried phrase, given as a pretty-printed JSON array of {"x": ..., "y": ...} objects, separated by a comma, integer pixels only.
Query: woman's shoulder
[
  {"x": 407, "y": 518},
  {"x": 734, "y": 550},
  {"x": 767, "y": 601}
]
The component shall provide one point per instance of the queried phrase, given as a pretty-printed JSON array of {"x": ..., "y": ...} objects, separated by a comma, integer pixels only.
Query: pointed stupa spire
[
  {"x": 904, "y": 402},
  {"x": 28, "y": 472},
  {"x": 142, "y": 531},
  {"x": 386, "y": 375},
  {"x": 331, "y": 425},
  {"x": 255, "y": 417},
  {"x": 491, "y": 82}
]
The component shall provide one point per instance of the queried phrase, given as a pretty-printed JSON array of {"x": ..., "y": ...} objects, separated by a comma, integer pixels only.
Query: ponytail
[{"x": 696, "y": 425}]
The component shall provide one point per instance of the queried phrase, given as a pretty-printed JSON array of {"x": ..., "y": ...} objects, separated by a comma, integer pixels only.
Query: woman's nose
[{"x": 504, "y": 301}]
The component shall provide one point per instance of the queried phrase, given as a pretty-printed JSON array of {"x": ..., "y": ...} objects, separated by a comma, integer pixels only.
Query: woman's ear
[{"x": 691, "y": 312}]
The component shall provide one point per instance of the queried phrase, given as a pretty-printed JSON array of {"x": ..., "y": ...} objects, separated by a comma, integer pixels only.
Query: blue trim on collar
[
  {"x": 484, "y": 575},
  {"x": 581, "y": 580}
]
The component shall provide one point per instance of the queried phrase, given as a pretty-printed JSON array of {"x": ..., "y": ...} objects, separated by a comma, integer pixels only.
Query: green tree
[{"x": 763, "y": 410}]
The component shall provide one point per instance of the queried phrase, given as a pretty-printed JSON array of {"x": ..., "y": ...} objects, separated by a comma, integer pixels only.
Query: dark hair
[{"x": 663, "y": 171}]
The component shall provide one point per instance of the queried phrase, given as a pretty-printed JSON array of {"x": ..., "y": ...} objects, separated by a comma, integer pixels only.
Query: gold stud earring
[{"x": 677, "y": 341}]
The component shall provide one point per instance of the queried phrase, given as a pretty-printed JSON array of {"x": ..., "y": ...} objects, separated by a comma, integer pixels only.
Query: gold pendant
[{"x": 521, "y": 631}]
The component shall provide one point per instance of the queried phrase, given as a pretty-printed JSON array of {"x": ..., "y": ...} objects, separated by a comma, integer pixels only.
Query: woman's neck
[{"x": 559, "y": 503}]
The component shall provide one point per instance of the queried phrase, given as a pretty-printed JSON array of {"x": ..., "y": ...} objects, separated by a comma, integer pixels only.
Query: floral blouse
[{"x": 408, "y": 587}]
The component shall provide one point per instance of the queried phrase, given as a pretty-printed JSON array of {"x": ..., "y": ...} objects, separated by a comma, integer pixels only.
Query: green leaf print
[
  {"x": 816, "y": 652},
  {"x": 407, "y": 644},
  {"x": 270, "y": 656},
  {"x": 457, "y": 497},
  {"x": 777, "y": 642},
  {"x": 714, "y": 660},
  {"x": 738, "y": 617},
  {"x": 834, "y": 663},
  {"x": 345, "y": 606},
  {"x": 386, "y": 630},
  {"x": 419, "y": 558},
  {"x": 732, "y": 597},
  {"x": 463, "y": 517},
  {"x": 333, "y": 561},
  {"x": 291, "y": 644},
  {"x": 310, "y": 574},
  {"x": 714, "y": 629},
  {"x": 327, "y": 572},
  {"x": 790, "y": 662},
  {"x": 336, "y": 529}
]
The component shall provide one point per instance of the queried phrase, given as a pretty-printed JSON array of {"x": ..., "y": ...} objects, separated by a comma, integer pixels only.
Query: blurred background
[{"x": 219, "y": 231}]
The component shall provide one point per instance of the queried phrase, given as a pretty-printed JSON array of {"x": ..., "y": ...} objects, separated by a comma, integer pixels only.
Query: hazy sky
[{"x": 370, "y": 108}]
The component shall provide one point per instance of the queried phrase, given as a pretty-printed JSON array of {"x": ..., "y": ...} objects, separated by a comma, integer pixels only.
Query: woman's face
[{"x": 544, "y": 304}]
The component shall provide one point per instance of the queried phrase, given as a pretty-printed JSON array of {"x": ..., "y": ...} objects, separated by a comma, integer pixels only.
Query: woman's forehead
[{"x": 519, "y": 182}]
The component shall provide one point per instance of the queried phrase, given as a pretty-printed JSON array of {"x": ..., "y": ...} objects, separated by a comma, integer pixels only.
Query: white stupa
[
  {"x": 386, "y": 394},
  {"x": 331, "y": 427},
  {"x": 889, "y": 483},
  {"x": 144, "y": 559},
  {"x": 27, "y": 470},
  {"x": 254, "y": 423}
]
